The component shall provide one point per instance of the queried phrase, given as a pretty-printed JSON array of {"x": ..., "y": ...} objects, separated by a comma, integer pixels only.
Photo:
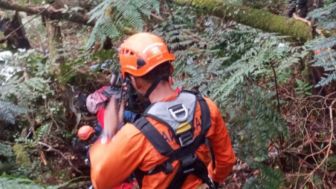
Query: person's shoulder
[
  {"x": 129, "y": 130},
  {"x": 129, "y": 136}
]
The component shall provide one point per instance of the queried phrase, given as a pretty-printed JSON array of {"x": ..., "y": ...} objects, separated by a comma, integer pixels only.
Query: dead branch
[
  {"x": 331, "y": 138},
  {"x": 49, "y": 13},
  {"x": 50, "y": 148}
]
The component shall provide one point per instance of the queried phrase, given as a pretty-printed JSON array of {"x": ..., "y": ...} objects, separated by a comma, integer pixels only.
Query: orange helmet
[
  {"x": 142, "y": 52},
  {"x": 85, "y": 132}
]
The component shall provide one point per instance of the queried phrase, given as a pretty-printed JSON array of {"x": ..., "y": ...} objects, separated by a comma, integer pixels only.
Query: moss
[
  {"x": 256, "y": 18},
  {"x": 21, "y": 155}
]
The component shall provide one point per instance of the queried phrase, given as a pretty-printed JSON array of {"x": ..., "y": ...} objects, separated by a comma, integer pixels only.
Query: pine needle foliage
[{"x": 114, "y": 17}]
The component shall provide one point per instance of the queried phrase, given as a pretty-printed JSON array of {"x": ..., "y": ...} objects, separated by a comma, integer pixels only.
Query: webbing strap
[
  {"x": 199, "y": 170},
  {"x": 153, "y": 86},
  {"x": 154, "y": 137},
  {"x": 205, "y": 114},
  {"x": 200, "y": 139}
]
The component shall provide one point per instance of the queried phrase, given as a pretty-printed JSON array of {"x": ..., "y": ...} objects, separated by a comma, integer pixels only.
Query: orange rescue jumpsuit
[{"x": 113, "y": 162}]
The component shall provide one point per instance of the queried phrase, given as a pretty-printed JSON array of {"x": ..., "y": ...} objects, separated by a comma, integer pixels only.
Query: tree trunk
[
  {"x": 256, "y": 18},
  {"x": 55, "y": 42}
]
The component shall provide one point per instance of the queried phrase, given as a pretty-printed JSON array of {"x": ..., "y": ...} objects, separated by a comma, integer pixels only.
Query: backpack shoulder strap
[
  {"x": 206, "y": 122},
  {"x": 205, "y": 113},
  {"x": 153, "y": 135}
]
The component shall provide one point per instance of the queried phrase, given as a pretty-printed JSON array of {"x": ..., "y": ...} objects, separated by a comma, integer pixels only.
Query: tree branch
[
  {"x": 256, "y": 18},
  {"x": 47, "y": 12}
]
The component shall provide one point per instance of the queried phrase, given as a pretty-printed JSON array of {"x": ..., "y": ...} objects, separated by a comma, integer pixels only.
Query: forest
[{"x": 269, "y": 65}]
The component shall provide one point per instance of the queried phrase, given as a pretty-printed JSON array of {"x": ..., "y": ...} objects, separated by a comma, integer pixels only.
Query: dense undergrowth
[{"x": 280, "y": 117}]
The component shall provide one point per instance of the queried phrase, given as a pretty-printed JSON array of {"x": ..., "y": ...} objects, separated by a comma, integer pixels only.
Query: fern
[
  {"x": 325, "y": 57},
  {"x": 256, "y": 63},
  {"x": 6, "y": 151},
  {"x": 233, "y": 64},
  {"x": 25, "y": 91},
  {"x": 42, "y": 132},
  {"x": 303, "y": 88},
  {"x": 113, "y": 17},
  {"x": 325, "y": 48},
  {"x": 254, "y": 123},
  {"x": 9, "y": 111},
  {"x": 325, "y": 16},
  {"x": 19, "y": 183},
  {"x": 29, "y": 82},
  {"x": 269, "y": 179}
]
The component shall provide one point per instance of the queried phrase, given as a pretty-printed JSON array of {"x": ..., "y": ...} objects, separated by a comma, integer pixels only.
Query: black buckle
[
  {"x": 168, "y": 168},
  {"x": 165, "y": 167},
  {"x": 186, "y": 138},
  {"x": 186, "y": 163}
]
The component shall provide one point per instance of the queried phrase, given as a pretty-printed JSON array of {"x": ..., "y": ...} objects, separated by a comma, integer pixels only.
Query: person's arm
[
  {"x": 113, "y": 162},
  {"x": 221, "y": 143}
]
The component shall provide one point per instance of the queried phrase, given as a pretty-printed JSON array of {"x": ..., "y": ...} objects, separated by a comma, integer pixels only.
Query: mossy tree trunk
[
  {"x": 55, "y": 42},
  {"x": 256, "y": 18}
]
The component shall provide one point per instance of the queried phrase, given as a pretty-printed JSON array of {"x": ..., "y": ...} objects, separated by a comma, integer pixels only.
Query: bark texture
[{"x": 256, "y": 18}]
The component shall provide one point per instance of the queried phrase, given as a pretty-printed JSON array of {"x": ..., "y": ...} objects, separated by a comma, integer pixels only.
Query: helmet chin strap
[{"x": 153, "y": 86}]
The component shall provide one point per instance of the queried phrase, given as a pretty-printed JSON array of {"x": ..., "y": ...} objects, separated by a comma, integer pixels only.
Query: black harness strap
[
  {"x": 197, "y": 167},
  {"x": 212, "y": 153},
  {"x": 153, "y": 135},
  {"x": 154, "y": 84},
  {"x": 159, "y": 143}
]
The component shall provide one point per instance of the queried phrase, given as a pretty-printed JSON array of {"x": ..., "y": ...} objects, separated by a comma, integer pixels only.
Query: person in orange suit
[{"x": 181, "y": 140}]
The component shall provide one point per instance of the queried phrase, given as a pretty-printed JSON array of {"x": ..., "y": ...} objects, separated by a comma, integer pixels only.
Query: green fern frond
[
  {"x": 9, "y": 111},
  {"x": 25, "y": 91},
  {"x": 42, "y": 131},
  {"x": 112, "y": 16},
  {"x": 325, "y": 16},
  {"x": 269, "y": 179},
  {"x": 20, "y": 183},
  {"x": 325, "y": 57},
  {"x": 6, "y": 151}
]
